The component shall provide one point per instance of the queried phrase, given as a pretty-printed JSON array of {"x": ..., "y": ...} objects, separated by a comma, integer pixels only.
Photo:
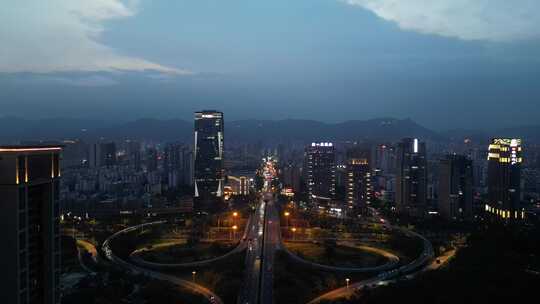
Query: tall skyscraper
[
  {"x": 291, "y": 176},
  {"x": 188, "y": 172},
  {"x": 456, "y": 188},
  {"x": 208, "y": 158},
  {"x": 177, "y": 164},
  {"x": 102, "y": 154},
  {"x": 107, "y": 154},
  {"x": 133, "y": 150},
  {"x": 358, "y": 180},
  {"x": 151, "y": 159},
  {"x": 411, "y": 178},
  {"x": 504, "y": 178},
  {"x": 29, "y": 224},
  {"x": 321, "y": 171},
  {"x": 93, "y": 155},
  {"x": 384, "y": 158}
]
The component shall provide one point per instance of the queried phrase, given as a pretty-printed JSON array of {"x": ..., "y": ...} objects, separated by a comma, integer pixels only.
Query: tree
[{"x": 330, "y": 249}]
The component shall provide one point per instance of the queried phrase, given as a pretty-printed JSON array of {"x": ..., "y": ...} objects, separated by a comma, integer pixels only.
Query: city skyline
[
  {"x": 259, "y": 209},
  {"x": 269, "y": 152}
]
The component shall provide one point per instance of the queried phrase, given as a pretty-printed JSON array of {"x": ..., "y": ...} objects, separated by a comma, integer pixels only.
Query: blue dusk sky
[{"x": 443, "y": 63}]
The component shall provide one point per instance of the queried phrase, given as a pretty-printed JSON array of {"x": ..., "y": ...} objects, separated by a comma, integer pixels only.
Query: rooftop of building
[{"x": 30, "y": 148}]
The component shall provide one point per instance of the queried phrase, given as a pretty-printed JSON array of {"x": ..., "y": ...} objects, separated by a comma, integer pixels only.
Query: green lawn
[
  {"x": 182, "y": 253},
  {"x": 296, "y": 283},
  {"x": 120, "y": 286},
  {"x": 341, "y": 256},
  {"x": 224, "y": 277},
  {"x": 490, "y": 269}
]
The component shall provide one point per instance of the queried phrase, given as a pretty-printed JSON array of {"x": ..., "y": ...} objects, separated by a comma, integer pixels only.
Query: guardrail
[
  {"x": 109, "y": 254},
  {"x": 159, "y": 266}
]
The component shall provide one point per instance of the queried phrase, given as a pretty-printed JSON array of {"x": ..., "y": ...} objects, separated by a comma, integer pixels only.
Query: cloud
[
  {"x": 87, "y": 81},
  {"x": 489, "y": 20},
  {"x": 63, "y": 35}
]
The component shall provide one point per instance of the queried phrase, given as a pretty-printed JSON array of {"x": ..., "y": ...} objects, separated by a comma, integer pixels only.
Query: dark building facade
[
  {"x": 107, "y": 154},
  {"x": 208, "y": 159},
  {"x": 456, "y": 188},
  {"x": 504, "y": 178},
  {"x": 411, "y": 178},
  {"x": 29, "y": 189},
  {"x": 151, "y": 159},
  {"x": 384, "y": 158},
  {"x": 359, "y": 188},
  {"x": 177, "y": 164},
  {"x": 291, "y": 175},
  {"x": 102, "y": 154},
  {"x": 321, "y": 171},
  {"x": 133, "y": 151}
]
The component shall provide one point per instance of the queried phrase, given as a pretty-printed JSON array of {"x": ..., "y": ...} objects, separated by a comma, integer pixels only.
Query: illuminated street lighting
[
  {"x": 293, "y": 229},
  {"x": 287, "y": 213},
  {"x": 347, "y": 281},
  {"x": 193, "y": 273},
  {"x": 235, "y": 215},
  {"x": 234, "y": 228}
]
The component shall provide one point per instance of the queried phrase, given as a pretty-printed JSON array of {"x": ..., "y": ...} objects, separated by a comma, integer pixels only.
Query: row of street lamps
[{"x": 287, "y": 214}]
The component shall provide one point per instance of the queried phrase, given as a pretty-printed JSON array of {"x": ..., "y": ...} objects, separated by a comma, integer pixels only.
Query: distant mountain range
[{"x": 13, "y": 129}]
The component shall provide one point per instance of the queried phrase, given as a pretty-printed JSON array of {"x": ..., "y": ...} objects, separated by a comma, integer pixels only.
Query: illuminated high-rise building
[
  {"x": 358, "y": 181},
  {"x": 456, "y": 188},
  {"x": 321, "y": 171},
  {"x": 208, "y": 158},
  {"x": 504, "y": 178},
  {"x": 29, "y": 224},
  {"x": 239, "y": 185},
  {"x": 411, "y": 178}
]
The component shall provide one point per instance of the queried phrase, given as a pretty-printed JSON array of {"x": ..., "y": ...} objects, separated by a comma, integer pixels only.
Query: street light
[
  {"x": 293, "y": 229},
  {"x": 287, "y": 218},
  {"x": 234, "y": 230},
  {"x": 235, "y": 215},
  {"x": 193, "y": 273},
  {"x": 347, "y": 281}
]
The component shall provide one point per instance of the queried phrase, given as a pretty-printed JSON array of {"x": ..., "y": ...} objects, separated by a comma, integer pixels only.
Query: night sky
[{"x": 443, "y": 63}]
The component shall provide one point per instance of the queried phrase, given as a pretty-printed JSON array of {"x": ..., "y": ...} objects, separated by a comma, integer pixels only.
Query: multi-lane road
[
  {"x": 250, "y": 289},
  {"x": 263, "y": 240},
  {"x": 272, "y": 241}
]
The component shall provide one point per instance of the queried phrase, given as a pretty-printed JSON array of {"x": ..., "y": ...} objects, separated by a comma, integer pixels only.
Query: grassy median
[
  {"x": 335, "y": 255},
  {"x": 181, "y": 252},
  {"x": 297, "y": 283}
]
